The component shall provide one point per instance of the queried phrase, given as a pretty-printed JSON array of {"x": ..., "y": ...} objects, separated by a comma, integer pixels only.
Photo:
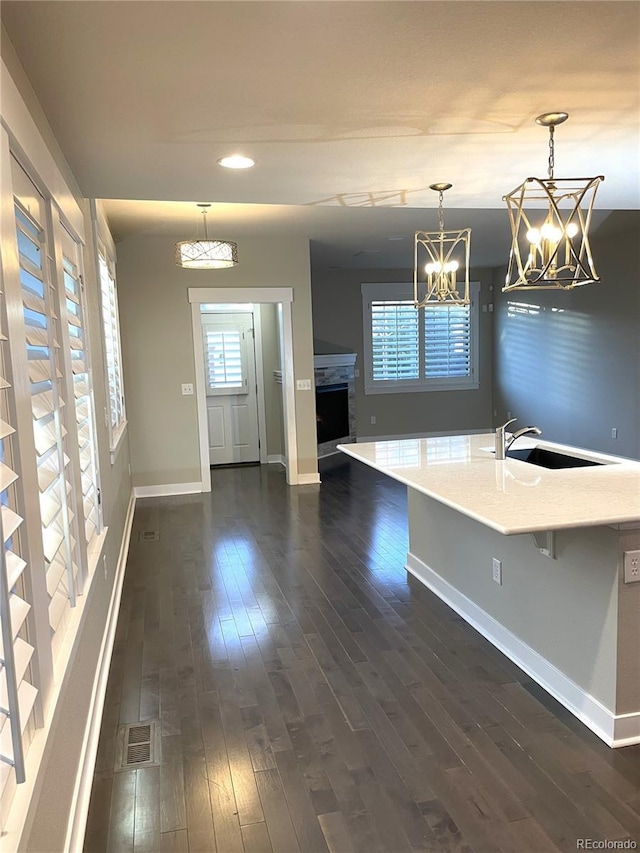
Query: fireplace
[
  {"x": 332, "y": 412},
  {"x": 334, "y": 374}
]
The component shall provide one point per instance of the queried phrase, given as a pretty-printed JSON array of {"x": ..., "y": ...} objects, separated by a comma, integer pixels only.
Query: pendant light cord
[
  {"x": 441, "y": 211},
  {"x": 552, "y": 161}
]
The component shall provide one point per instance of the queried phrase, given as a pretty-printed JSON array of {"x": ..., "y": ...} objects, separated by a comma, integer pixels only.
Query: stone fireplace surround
[{"x": 333, "y": 369}]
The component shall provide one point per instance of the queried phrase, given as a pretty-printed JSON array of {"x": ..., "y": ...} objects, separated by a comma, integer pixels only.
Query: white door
[{"x": 230, "y": 382}]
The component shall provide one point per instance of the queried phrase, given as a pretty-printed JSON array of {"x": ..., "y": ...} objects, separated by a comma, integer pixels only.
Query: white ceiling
[{"x": 350, "y": 109}]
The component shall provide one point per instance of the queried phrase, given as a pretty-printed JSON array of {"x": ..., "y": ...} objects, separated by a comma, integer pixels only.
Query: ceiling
[{"x": 350, "y": 109}]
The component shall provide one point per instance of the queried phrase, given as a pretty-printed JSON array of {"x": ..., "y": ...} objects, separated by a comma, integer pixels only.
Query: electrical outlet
[
  {"x": 497, "y": 571},
  {"x": 631, "y": 566},
  {"x": 187, "y": 389},
  {"x": 373, "y": 419},
  {"x": 614, "y": 432}
]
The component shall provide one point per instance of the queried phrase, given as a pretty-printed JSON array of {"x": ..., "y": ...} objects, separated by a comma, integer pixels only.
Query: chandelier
[
  {"x": 206, "y": 254},
  {"x": 440, "y": 258},
  {"x": 550, "y": 219}
]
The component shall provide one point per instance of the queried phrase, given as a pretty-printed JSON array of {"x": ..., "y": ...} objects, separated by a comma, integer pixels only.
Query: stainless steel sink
[{"x": 549, "y": 458}]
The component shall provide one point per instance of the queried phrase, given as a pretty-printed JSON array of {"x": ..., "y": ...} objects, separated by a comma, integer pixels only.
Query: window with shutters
[
  {"x": 43, "y": 335},
  {"x": 81, "y": 376},
  {"x": 430, "y": 349},
  {"x": 17, "y": 692},
  {"x": 113, "y": 353},
  {"x": 224, "y": 358}
]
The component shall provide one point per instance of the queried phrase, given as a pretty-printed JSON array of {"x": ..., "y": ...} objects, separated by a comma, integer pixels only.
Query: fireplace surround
[{"x": 334, "y": 375}]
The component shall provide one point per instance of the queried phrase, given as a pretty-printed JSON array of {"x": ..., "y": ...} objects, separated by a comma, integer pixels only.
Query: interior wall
[
  {"x": 337, "y": 320},
  {"x": 157, "y": 345},
  {"x": 569, "y": 362}
]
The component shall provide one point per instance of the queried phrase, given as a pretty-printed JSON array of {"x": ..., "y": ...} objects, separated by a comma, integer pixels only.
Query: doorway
[{"x": 282, "y": 298}]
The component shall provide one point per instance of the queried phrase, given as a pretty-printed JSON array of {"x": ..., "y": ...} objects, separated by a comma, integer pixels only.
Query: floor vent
[
  {"x": 148, "y": 536},
  {"x": 138, "y": 745}
]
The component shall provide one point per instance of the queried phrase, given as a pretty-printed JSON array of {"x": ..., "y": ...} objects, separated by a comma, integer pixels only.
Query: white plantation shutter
[
  {"x": 408, "y": 349},
  {"x": 395, "y": 344},
  {"x": 17, "y": 693},
  {"x": 224, "y": 360},
  {"x": 113, "y": 353},
  {"x": 447, "y": 341},
  {"x": 42, "y": 333},
  {"x": 83, "y": 397}
]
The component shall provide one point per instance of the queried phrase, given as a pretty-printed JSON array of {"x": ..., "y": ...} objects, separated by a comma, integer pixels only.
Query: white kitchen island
[{"x": 562, "y": 610}]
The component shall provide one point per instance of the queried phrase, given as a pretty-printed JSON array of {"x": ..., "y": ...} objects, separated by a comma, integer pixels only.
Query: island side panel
[
  {"x": 628, "y": 694},
  {"x": 565, "y": 609}
]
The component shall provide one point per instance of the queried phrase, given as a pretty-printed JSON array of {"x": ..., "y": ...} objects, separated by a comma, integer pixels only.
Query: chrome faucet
[{"x": 501, "y": 442}]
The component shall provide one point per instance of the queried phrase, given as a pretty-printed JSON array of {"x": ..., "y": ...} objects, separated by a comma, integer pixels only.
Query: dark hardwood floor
[{"x": 312, "y": 698}]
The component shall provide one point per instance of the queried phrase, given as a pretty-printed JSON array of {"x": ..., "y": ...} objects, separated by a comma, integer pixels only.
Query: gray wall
[
  {"x": 337, "y": 319},
  {"x": 157, "y": 343},
  {"x": 272, "y": 390},
  {"x": 570, "y": 361}
]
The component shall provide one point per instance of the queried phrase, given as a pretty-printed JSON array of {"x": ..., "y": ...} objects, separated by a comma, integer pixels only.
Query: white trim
[
  {"x": 167, "y": 490},
  {"x": 27, "y": 143},
  {"x": 283, "y": 297},
  {"x": 614, "y": 730},
  {"x": 79, "y": 810},
  {"x": 345, "y": 359},
  {"x": 308, "y": 479},
  {"x": 240, "y": 294},
  {"x": 276, "y": 459},
  {"x": 365, "y": 438}
]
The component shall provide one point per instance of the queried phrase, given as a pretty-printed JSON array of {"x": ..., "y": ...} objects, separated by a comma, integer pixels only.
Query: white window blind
[
  {"x": 223, "y": 355},
  {"x": 82, "y": 390},
  {"x": 113, "y": 355},
  {"x": 447, "y": 341},
  {"x": 395, "y": 340},
  {"x": 17, "y": 692},
  {"x": 42, "y": 332},
  {"x": 406, "y": 350}
]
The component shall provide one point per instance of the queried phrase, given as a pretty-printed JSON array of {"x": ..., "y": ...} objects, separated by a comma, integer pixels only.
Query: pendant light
[
  {"x": 206, "y": 254},
  {"x": 550, "y": 219},
  {"x": 440, "y": 259}
]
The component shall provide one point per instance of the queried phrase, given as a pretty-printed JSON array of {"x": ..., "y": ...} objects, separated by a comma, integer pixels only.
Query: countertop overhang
[{"x": 510, "y": 496}]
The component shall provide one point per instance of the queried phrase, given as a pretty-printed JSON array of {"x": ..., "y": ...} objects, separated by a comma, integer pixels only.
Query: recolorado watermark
[{"x": 595, "y": 844}]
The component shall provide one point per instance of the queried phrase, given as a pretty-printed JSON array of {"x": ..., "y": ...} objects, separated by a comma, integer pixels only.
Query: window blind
[
  {"x": 42, "y": 326},
  {"x": 17, "y": 693},
  {"x": 82, "y": 390},
  {"x": 112, "y": 345},
  {"x": 223, "y": 359},
  {"x": 447, "y": 341},
  {"x": 395, "y": 344}
]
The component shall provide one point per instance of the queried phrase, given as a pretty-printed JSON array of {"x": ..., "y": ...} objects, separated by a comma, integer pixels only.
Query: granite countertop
[{"x": 510, "y": 496}]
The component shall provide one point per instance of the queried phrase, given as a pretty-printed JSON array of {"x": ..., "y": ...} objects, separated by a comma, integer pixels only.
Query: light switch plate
[
  {"x": 303, "y": 384},
  {"x": 187, "y": 388}
]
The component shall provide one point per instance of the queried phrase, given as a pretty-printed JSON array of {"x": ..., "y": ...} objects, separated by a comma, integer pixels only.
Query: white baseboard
[
  {"x": 84, "y": 780},
  {"x": 276, "y": 459},
  {"x": 615, "y": 730},
  {"x": 167, "y": 490},
  {"x": 362, "y": 438},
  {"x": 308, "y": 479}
]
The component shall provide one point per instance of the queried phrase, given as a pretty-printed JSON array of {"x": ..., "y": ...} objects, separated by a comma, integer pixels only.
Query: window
[
  {"x": 225, "y": 356},
  {"x": 430, "y": 349},
  {"x": 113, "y": 355}
]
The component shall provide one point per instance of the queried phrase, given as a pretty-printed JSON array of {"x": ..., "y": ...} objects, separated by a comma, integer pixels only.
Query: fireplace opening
[{"x": 332, "y": 412}]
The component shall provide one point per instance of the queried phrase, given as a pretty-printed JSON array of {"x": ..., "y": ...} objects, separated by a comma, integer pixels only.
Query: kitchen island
[{"x": 555, "y": 602}]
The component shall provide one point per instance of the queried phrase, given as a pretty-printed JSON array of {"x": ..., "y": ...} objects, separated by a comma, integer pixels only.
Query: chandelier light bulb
[
  {"x": 571, "y": 230},
  {"x": 534, "y": 236}
]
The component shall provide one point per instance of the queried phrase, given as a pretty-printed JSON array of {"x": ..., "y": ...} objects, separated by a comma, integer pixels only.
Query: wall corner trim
[
  {"x": 167, "y": 490},
  {"x": 84, "y": 780},
  {"x": 614, "y": 730}
]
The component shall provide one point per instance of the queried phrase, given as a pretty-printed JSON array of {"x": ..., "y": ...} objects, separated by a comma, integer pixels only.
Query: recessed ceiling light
[
  {"x": 396, "y": 238},
  {"x": 236, "y": 161}
]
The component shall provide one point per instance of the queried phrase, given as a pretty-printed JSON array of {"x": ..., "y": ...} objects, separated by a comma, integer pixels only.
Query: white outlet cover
[{"x": 187, "y": 388}]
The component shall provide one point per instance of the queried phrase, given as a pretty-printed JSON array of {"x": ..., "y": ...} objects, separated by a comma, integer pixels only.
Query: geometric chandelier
[
  {"x": 550, "y": 220},
  {"x": 206, "y": 254},
  {"x": 440, "y": 257}
]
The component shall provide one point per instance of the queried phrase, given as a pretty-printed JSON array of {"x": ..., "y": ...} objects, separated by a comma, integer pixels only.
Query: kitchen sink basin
[{"x": 549, "y": 458}]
